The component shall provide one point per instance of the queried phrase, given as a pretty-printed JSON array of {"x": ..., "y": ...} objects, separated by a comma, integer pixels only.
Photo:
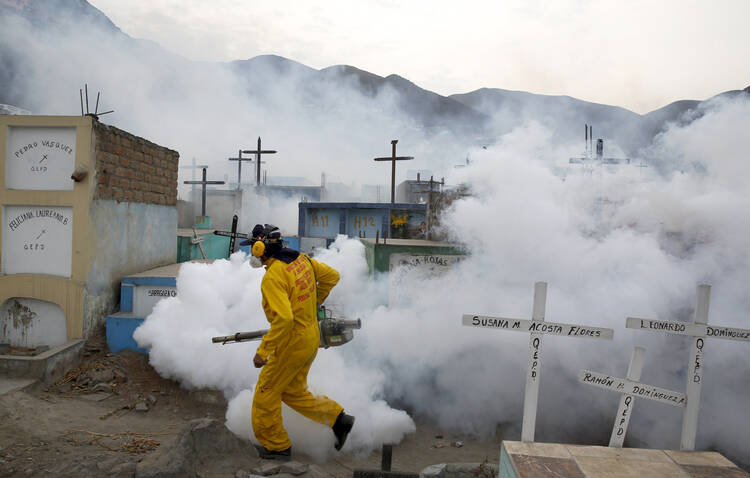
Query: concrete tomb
[
  {"x": 535, "y": 460},
  {"x": 699, "y": 330},
  {"x": 83, "y": 204},
  {"x": 536, "y": 327},
  {"x": 414, "y": 268},
  {"x": 139, "y": 294},
  {"x": 630, "y": 388}
]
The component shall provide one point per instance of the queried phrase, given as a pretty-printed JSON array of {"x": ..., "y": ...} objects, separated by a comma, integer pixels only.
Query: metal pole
[
  {"x": 393, "y": 172},
  {"x": 203, "y": 202},
  {"x": 257, "y": 164},
  {"x": 239, "y": 170},
  {"x": 385, "y": 460}
]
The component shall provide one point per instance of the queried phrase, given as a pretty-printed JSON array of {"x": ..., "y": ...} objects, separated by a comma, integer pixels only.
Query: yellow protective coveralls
[{"x": 290, "y": 298}]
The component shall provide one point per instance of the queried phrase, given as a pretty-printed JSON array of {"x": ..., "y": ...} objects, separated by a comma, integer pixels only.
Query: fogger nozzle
[
  {"x": 351, "y": 323},
  {"x": 240, "y": 336}
]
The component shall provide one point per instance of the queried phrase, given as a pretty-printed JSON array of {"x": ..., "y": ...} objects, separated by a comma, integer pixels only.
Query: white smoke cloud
[
  {"x": 608, "y": 245},
  {"x": 223, "y": 298}
]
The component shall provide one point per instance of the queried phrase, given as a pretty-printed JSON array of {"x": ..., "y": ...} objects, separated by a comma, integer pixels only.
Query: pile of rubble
[{"x": 208, "y": 448}]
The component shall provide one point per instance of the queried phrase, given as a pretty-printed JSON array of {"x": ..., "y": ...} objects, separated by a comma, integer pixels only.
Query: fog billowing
[{"x": 610, "y": 245}]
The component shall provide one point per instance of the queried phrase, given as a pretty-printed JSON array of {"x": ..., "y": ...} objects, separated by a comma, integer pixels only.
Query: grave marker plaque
[
  {"x": 40, "y": 158},
  {"x": 37, "y": 240}
]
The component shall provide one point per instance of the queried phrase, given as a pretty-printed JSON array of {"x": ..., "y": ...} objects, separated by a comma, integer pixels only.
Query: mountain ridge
[{"x": 482, "y": 113}]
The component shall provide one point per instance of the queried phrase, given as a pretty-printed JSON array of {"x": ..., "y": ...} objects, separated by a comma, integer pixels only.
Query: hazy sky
[{"x": 637, "y": 54}]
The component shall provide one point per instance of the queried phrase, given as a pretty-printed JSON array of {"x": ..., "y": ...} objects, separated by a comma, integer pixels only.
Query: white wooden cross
[
  {"x": 630, "y": 388},
  {"x": 198, "y": 240},
  {"x": 537, "y": 327},
  {"x": 699, "y": 330}
]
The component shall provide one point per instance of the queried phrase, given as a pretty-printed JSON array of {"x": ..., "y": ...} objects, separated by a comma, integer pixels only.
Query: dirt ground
[{"x": 67, "y": 428}]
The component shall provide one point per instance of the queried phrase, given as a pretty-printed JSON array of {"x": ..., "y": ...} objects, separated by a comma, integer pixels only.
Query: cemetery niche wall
[{"x": 83, "y": 204}]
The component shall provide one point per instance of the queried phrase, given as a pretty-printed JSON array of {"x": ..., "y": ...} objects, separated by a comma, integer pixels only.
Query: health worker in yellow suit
[{"x": 292, "y": 287}]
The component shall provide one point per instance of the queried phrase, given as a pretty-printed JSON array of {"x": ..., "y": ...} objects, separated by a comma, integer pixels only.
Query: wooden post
[
  {"x": 695, "y": 371},
  {"x": 622, "y": 419},
  {"x": 531, "y": 393}
]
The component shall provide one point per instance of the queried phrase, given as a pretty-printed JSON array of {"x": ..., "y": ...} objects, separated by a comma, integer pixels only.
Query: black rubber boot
[
  {"x": 341, "y": 429},
  {"x": 282, "y": 455}
]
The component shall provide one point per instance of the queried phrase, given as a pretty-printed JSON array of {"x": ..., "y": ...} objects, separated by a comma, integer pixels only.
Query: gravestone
[
  {"x": 83, "y": 204},
  {"x": 536, "y": 328},
  {"x": 413, "y": 268}
]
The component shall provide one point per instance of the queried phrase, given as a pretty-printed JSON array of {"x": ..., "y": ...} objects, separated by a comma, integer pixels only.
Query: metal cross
[
  {"x": 393, "y": 158},
  {"x": 232, "y": 235},
  {"x": 257, "y": 154},
  {"x": 203, "y": 183},
  {"x": 240, "y": 159},
  {"x": 192, "y": 176}
]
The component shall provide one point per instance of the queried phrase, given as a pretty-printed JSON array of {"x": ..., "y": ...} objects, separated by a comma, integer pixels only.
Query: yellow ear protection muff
[
  {"x": 271, "y": 236},
  {"x": 258, "y": 248}
]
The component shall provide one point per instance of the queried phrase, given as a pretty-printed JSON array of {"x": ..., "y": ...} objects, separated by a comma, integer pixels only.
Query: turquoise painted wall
[{"x": 216, "y": 247}]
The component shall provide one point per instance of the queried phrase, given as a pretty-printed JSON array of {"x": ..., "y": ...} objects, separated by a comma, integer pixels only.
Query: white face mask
[{"x": 255, "y": 262}]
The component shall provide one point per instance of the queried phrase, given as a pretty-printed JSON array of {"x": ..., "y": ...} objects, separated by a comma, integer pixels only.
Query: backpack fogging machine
[{"x": 333, "y": 331}]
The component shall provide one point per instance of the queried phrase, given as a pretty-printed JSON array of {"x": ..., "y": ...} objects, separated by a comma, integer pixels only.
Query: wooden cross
[
  {"x": 203, "y": 183},
  {"x": 240, "y": 159},
  {"x": 699, "y": 330},
  {"x": 232, "y": 235},
  {"x": 257, "y": 154},
  {"x": 198, "y": 240},
  {"x": 630, "y": 388},
  {"x": 536, "y": 327},
  {"x": 393, "y": 158}
]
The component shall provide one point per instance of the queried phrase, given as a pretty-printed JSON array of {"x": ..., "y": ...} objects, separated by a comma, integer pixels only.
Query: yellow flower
[{"x": 399, "y": 220}]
